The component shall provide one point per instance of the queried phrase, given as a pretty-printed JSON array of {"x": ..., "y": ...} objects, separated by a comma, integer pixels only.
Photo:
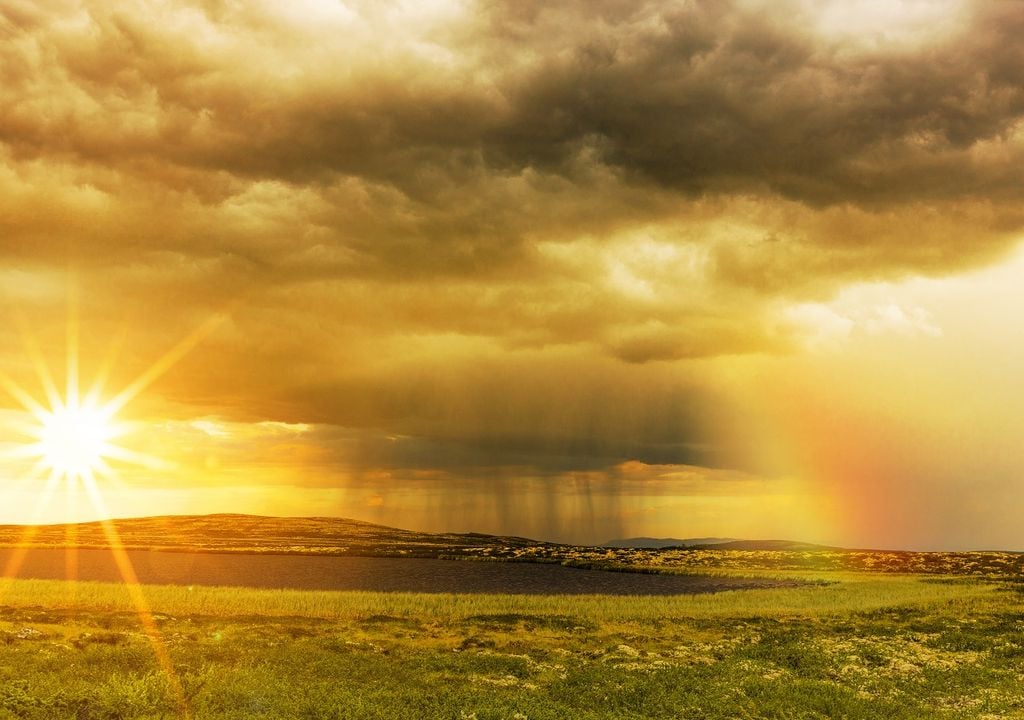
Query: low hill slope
[
  {"x": 649, "y": 542},
  {"x": 254, "y": 533}
]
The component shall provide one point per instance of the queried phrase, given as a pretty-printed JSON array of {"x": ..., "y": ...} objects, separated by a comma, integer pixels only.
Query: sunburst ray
[
  {"x": 135, "y": 592},
  {"x": 71, "y": 436}
]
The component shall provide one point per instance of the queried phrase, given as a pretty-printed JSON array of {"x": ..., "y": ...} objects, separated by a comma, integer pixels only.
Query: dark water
[{"x": 362, "y": 573}]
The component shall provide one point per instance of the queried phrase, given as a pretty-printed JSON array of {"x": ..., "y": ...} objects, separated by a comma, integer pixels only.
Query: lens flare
[
  {"x": 74, "y": 440},
  {"x": 71, "y": 436}
]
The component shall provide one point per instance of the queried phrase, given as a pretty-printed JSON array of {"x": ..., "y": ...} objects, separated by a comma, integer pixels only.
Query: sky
[{"x": 574, "y": 271}]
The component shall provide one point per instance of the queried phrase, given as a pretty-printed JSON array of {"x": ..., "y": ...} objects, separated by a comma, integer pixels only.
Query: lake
[{"x": 313, "y": 572}]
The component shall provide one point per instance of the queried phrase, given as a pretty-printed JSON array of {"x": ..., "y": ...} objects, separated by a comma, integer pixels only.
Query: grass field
[{"x": 861, "y": 646}]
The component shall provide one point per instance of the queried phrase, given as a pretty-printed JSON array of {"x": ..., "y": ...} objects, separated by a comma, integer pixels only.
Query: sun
[{"x": 75, "y": 439}]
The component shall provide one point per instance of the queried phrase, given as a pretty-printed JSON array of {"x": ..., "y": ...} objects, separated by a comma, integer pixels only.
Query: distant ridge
[
  {"x": 237, "y": 533},
  {"x": 714, "y": 543},
  {"x": 771, "y": 545},
  {"x": 649, "y": 542}
]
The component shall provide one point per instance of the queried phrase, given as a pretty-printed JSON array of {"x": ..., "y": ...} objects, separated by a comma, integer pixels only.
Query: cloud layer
[{"x": 514, "y": 234}]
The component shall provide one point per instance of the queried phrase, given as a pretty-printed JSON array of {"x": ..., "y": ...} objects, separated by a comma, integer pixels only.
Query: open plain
[{"x": 853, "y": 634}]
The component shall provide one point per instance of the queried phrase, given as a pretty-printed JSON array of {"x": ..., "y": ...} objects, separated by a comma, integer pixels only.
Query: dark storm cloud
[
  {"x": 450, "y": 161},
  {"x": 706, "y": 97},
  {"x": 545, "y": 413},
  {"x": 696, "y": 97}
]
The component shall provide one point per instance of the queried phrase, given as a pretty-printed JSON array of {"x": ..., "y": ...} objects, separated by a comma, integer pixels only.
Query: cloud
[
  {"x": 830, "y": 329},
  {"x": 475, "y": 131},
  {"x": 707, "y": 97},
  {"x": 514, "y": 233}
]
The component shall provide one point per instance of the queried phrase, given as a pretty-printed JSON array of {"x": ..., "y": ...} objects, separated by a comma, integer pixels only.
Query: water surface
[{"x": 311, "y": 572}]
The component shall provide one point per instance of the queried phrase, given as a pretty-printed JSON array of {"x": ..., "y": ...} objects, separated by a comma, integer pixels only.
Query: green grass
[
  {"x": 839, "y": 593},
  {"x": 861, "y": 646}
]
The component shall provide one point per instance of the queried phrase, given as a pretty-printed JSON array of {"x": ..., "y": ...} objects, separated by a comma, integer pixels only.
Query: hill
[
  {"x": 790, "y": 545},
  {"x": 649, "y": 542},
  {"x": 640, "y": 543},
  {"x": 253, "y": 534},
  {"x": 233, "y": 533},
  {"x": 236, "y": 533}
]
